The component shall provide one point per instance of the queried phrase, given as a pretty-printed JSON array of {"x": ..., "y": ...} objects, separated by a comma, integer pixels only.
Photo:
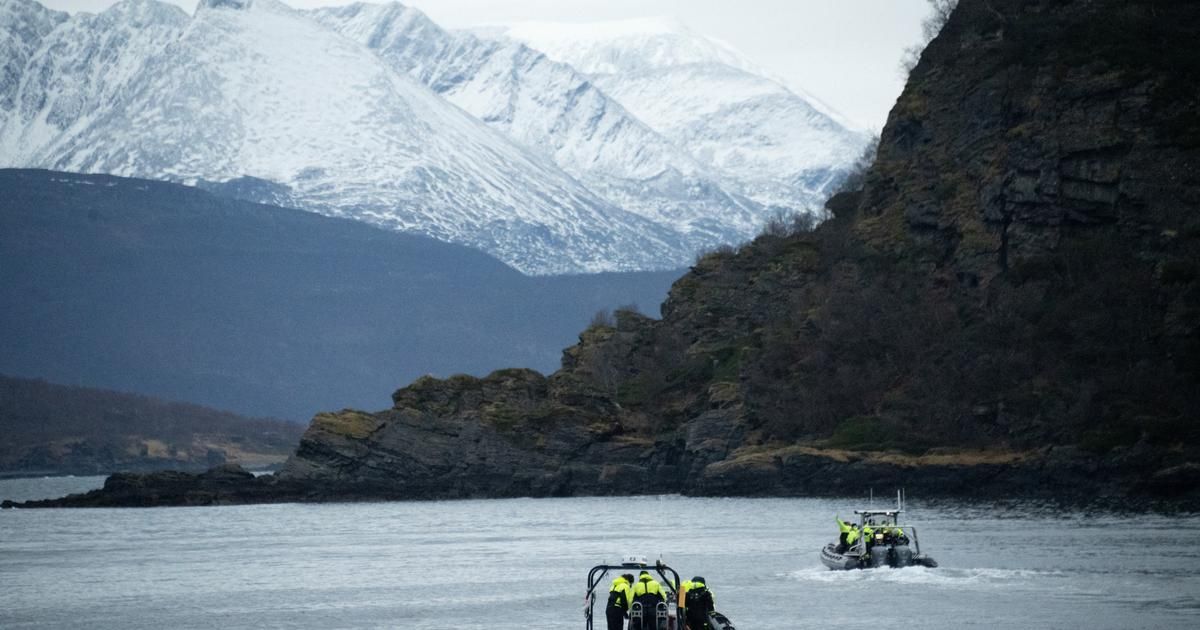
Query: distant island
[
  {"x": 60, "y": 430},
  {"x": 176, "y": 292}
]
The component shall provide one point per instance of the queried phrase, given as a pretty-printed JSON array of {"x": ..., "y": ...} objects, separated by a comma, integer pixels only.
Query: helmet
[
  {"x": 698, "y": 579},
  {"x": 628, "y": 577}
]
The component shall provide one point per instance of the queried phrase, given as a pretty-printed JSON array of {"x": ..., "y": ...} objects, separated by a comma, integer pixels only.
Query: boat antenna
[
  {"x": 871, "y": 503},
  {"x": 899, "y": 503}
]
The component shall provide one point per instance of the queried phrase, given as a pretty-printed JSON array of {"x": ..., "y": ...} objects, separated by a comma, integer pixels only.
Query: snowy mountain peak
[
  {"x": 226, "y": 4},
  {"x": 381, "y": 25},
  {"x": 373, "y": 111},
  {"x": 556, "y": 111},
  {"x": 257, "y": 89},
  {"x": 136, "y": 13},
  {"x": 772, "y": 144},
  {"x": 620, "y": 46}
]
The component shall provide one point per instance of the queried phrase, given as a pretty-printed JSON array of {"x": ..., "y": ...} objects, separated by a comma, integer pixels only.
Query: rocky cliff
[
  {"x": 1010, "y": 304},
  {"x": 1012, "y": 296}
]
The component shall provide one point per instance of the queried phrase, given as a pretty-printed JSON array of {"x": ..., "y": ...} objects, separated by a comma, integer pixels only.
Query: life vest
[
  {"x": 619, "y": 596},
  {"x": 648, "y": 586},
  {"x": 698, "y": 597}
]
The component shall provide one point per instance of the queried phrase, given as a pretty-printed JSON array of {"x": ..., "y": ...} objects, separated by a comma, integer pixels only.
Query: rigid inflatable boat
[
  {"x": 891, "y": 545},
  {"x": 668, "y": 615}
]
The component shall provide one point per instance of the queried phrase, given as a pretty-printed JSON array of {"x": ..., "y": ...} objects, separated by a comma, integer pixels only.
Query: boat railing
[{"x": 670, "y": 581}]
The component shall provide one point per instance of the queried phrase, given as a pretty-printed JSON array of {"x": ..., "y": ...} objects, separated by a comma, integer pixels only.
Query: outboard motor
[
  {"x": 878, "y": 558},
  {"x": 900, "y": 556}
]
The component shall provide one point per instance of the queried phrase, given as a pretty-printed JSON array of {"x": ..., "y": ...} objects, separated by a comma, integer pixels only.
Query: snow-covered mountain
[
  {"x": 769, "y": 142},
  {"x": 549, "y": 107},
  {"x": 627, "y": 146},
  {"x": 254, "y": 88}
]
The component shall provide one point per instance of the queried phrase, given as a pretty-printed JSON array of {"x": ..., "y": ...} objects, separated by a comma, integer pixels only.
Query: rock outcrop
[{"x": 1010, "y": 305}]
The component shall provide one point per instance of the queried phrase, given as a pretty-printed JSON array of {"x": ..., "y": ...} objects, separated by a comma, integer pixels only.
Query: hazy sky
[{"x": 845, "y": 52}]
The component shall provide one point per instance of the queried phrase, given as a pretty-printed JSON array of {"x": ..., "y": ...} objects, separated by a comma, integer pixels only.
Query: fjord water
[{"x": 522, "y": 563}]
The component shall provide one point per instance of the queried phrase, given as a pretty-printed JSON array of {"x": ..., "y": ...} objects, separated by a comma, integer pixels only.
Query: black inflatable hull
[{"x": 896, "y": 557}]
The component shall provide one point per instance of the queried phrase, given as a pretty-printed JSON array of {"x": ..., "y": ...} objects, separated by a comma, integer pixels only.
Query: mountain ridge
[
  {"x": 545, "y": 170},
  {"x": 769, "y": 143},
  {"x": 549, "y": 107},
  {"x": 167, "y": 290},
  {"x": 232, "y": 93}
]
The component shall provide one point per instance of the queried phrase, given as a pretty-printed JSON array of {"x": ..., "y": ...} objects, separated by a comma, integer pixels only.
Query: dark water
[{"x": 523, "y": 564}]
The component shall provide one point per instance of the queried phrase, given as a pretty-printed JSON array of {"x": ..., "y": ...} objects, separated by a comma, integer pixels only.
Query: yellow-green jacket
[
  {"x": 621, "y": 594},
  {"x": 648, "y": 585}
]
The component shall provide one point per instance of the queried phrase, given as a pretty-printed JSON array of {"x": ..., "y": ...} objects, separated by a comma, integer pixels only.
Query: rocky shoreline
[{"x": 1056, "y": 474}]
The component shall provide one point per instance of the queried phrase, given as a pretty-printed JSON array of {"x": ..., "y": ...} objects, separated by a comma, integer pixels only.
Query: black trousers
[
  {"x": 616, "y": 618},
  {"x": 697, "y": 619},
  {"x": 649, "y": 610}
]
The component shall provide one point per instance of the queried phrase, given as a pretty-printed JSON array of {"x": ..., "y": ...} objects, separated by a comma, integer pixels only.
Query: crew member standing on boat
[
  {"x": 699, "y": 601},
  {"x": 843, "y": 539},
  {"x": 851, "y": 537},
  {"x": 868, "y": 537},
  {"x": 620, "y": 597},
  {"x": 649, "y": 593}
]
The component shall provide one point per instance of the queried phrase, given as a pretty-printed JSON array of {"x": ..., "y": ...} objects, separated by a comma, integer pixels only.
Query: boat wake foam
[{"x": 983, "y": 577}]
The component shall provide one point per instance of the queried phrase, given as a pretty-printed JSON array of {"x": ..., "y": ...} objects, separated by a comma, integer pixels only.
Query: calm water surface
[{"x": 523, "y": 564}]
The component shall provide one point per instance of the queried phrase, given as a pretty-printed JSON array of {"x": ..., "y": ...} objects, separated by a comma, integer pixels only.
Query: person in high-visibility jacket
[
  {"x": 699, "y": 602},
  {"x": 844, "y": 528},
  {"x": 620, "y": 598},
  {"x": 868, "y": 537},
  {"x": 649, "y": 593},
  {"x": 851, "y": 537}
]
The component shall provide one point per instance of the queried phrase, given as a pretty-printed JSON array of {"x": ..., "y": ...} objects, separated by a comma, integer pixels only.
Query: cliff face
[
  {"x": 1010, "y": 305},
  {"x": 1012, "y": 301}
]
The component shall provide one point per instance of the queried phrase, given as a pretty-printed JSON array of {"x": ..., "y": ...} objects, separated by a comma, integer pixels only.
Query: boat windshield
[{"x": 878, "y": 517}]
